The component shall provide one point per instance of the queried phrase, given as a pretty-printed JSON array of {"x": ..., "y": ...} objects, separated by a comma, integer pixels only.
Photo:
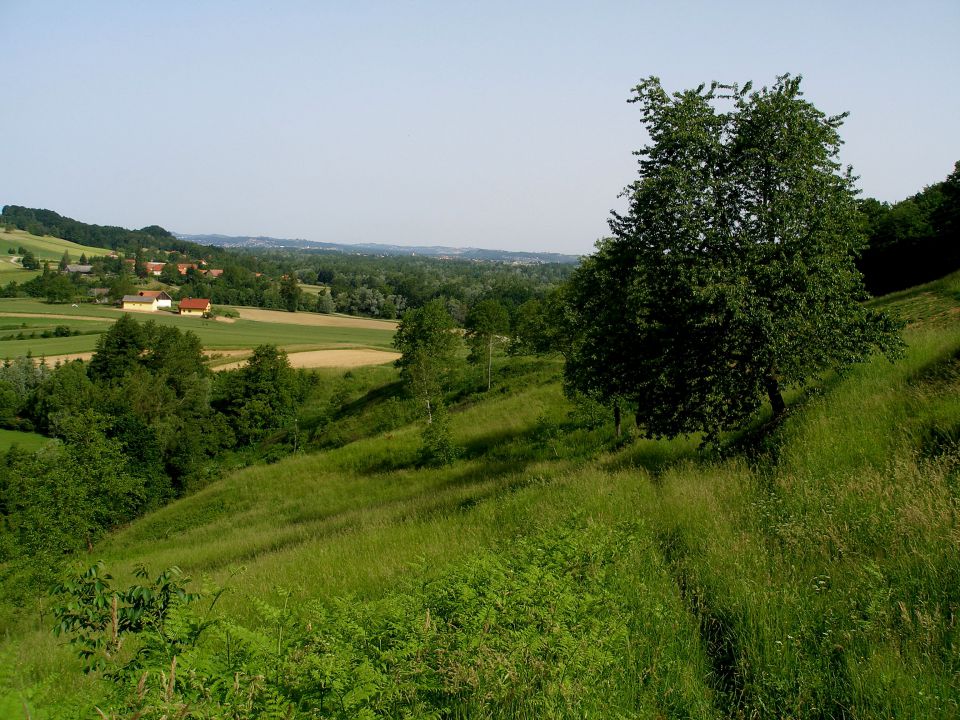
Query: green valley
[{"x": 807, "y": 570}]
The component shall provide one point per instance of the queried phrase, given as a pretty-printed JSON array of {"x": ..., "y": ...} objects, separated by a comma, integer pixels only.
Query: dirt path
[
  {"x": 303, "y": 318},
  {"x": 329, "y": 359}
]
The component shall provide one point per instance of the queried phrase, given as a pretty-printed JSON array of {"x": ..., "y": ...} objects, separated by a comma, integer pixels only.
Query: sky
[{"x": 483, "y": 124}]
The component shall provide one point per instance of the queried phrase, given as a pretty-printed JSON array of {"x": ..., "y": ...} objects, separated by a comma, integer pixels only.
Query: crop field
[
  {"x": 46, "y": 247},
  {"x": 22, "y": 322}
]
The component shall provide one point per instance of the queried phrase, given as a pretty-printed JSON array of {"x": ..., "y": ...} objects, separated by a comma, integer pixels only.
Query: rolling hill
[{"x": 807, "y": 570}]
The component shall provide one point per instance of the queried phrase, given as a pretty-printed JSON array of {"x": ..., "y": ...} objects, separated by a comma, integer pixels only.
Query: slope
[
  {"x": 553, "y": 571},
  {"x": 46, "y": 247}
]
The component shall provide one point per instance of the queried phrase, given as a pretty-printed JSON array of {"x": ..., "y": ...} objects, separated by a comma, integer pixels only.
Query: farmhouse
[
  {"x": 82, "y": 269},
  {"x": 163, "y": 300},
  {"x": 154, "y": 268},
  {"x": 194, "y": 306},
  {"x": 182, "y": 268},
  {"x": 139, "y": 303}
]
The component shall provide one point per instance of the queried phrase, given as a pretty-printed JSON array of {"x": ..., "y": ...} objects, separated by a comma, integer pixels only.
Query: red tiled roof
[
  {"x": 153, "y": 294},
  {"x": 194, "y": 304}
]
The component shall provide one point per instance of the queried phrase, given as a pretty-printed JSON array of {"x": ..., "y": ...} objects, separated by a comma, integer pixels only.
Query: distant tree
[
  {"x": 170, "y": 274},
  {"x": 428, "y": 342},
  {"x": 487, "y": 323},
  {"x": 732, "y": 272},
  {"x": 83, "y": 259},
  {"x": 29, "y": 261},
  {"x": 388, "y": 309},
  {"x": 325, "y": 302},
  {"x": 64, "y": 260},
  {"x": 122, "y": 285},
  {"x": 59, "y": 289},
  {"x": 290, "y": 292}
]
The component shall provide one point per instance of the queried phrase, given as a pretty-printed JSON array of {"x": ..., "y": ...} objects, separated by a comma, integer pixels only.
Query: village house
[
  {"x": 163, "y": 300},
  {"x": 194, "y": 306},
  {"x": 82, "y": 269},
  {"x": 182, "y": 268},
  {"x": 154, "y": 268},
  {"x": 99, "y": 294},
  {"x": 139, "y": 303}
]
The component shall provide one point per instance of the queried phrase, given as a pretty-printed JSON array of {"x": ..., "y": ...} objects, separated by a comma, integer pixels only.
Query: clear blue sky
[{"x": 488, "y": 124}]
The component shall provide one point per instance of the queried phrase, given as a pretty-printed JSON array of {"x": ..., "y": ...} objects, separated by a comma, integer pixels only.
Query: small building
[
  {"x": 99, "y": 294},
  {"x": 154, "y": 268},
  {"x": 163, "y": 300},
  {"x": 139, "y": 303},
  {"x": 215, "y": 272},
  {"x": 182, "y": 268},
  {"x": 82, "y": 269},
  {"x": 194, "y": 306}
]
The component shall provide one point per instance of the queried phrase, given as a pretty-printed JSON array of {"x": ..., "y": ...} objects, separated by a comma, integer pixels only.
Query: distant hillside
[
  {"x": 40, "y": 222},
  {"x": 381, "y": 249}
]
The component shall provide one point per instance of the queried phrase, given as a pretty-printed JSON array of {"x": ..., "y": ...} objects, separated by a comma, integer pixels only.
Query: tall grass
[{"x": 817, "y": 576}]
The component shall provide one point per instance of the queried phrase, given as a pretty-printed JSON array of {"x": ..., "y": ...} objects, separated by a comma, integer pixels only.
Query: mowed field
[
  {"x": 45, "y": 247},
  {"x": 294, "y": 332}
]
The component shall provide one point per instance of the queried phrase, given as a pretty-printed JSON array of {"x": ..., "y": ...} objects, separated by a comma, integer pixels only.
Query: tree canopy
[{"x": 731, "y": 276}]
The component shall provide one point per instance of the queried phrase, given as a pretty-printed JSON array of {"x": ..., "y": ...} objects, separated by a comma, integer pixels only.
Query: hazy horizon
[{"x": 487, "y": 126}]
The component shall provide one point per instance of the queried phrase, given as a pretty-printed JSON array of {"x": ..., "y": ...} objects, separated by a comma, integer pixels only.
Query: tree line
[{"x": 913, "y": 241}]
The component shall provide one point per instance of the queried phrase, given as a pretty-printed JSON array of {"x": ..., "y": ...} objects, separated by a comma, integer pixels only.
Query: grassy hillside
[
  {"x": 46, "y": 247},
  {"x": 810, "y": 571}
]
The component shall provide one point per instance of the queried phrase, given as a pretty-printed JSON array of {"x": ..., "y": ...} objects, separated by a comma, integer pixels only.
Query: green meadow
[
  {"x": 214, "y": 334},
  {"x": 22, "y": 440},
  {"x": 46, "y": 247},
  {"x": 808, "y": 570}
]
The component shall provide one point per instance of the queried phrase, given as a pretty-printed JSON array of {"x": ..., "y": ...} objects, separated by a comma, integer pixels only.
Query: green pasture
[
  {"x": 9, "y": 271},
  {"x": 46, "y": 247},
  {"x": 312, "y": 289},
  {"x": 23, "y": 440},
  {"x": 214, "y": 334}
]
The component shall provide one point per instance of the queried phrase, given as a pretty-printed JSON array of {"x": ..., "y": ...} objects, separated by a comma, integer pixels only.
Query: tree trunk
[
  {"x": 489, "y": 362},
  {"x": 616, "y": 417},
  {"x": 776, "y": 398},
  {"x": 429, "y": 413}
]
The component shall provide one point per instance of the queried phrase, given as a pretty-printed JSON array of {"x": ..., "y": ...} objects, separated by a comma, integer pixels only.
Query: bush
[{"x": 437, "y": 447}]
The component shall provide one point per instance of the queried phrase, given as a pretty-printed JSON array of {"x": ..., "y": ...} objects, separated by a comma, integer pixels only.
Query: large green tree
[{"x": 731, "y": 276}]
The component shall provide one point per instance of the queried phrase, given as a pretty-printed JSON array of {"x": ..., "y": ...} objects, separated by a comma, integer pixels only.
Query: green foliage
[
  {"x": 98, "y": 619},
  {"x": 486, "y": 323},
  {"x": 437, "y": 447},
  {"x": 59, "y": 289},
  {"x": 29, "y": 261},
  {"x": 259, "y": 397},
  {"x": 538, "y": 630},
  {"x": 912, "y": 241},
  {"x": 731, "y": 277},
  {"x": 118, "y": 350},
  {"x": 428, "y": 343},
  {"x": 290, "y": 292}
]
